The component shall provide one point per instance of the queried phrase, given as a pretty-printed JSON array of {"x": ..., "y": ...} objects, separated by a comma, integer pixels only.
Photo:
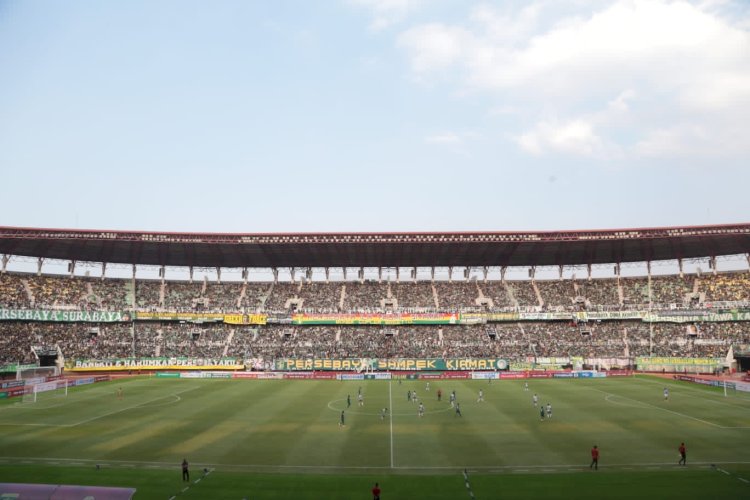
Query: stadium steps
[
  {"x": 435, "y": 296},
  {"x": 538, "y": 293},
  {"x": 29, "y": 292},
  {"x": 243, "y": 294},
  {"x": 510, "y": 293},
  {"x": 228, "y": 343}
]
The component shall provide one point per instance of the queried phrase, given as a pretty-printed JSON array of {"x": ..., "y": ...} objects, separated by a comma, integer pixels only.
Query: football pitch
[{"x": 283, "y": 439}]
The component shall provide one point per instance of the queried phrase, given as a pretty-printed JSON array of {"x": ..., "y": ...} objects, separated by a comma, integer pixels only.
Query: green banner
[
  {"x": 646, "y": 361},
  {"x": 181, "y": 363},
  {"x": 13, "y": 368},
  {"x": 695, "y": 316},
  {"x": 409, "y": 364},
  {"x": 64, "y": 316}
]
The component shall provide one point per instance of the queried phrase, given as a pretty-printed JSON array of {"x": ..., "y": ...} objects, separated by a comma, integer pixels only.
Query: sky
[{"x": 374, "y": 115}]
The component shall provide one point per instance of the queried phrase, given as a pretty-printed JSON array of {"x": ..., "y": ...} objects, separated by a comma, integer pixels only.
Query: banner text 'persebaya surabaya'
[{"x": 64, "y": 316}]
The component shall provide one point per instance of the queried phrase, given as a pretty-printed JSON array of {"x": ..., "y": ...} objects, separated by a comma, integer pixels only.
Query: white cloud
[
  {"x": 446, "y": 138},
  {"x": 577, "y": 137},
  {"x": 641, "y": 69},
  {"x": 386, "y": 13}
]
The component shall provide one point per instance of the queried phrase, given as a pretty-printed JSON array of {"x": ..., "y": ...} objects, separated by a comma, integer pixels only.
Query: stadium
[{"x": 309, "y": 365}]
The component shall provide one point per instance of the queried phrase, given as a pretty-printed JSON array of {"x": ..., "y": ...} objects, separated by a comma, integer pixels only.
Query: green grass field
[{"x": 281, "y": 439}]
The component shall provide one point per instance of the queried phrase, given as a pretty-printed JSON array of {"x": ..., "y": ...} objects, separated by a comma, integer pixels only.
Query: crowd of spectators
[
  {"x": 725, "y": 287},
  {"x": 512, "y": 341},
  {"x": 365, "y": 296},
  {"x": 414, "y": 295},
  {"x": 86, "y": 293},
  {"x": 460, "y": 294},
  {"x": 524, "y": 293},
  {"x": 556, "y": 293}
]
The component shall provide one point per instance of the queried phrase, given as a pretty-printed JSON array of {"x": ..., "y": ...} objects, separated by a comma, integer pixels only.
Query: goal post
[{"x": 46, "y": 390}]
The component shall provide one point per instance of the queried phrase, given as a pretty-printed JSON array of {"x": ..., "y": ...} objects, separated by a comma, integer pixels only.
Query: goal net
[
  {"x": 46, "y": 391},
  {"x": 37, "y": 373}
]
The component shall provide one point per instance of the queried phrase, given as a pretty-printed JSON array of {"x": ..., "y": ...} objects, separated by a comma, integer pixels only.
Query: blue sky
[{"x": 374, "y": 115}]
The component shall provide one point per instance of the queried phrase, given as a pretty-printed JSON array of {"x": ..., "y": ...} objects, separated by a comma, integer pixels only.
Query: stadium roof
[{"x": 538, "y": 248}]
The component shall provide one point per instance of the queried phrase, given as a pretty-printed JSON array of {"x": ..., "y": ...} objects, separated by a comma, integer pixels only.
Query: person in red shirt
[
  {"x": 683, "y": 454},
  {"x": 376, "y": 492},
  {"x": 594, "y": 458}
]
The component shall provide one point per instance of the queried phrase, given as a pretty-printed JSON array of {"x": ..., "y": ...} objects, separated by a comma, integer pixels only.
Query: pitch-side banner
[
  {"x": 232, "y": 319},
  {"x": 64, "y": 316},
  {"x": 376, "y": 319},
  {"x": 413, "y": 364},
  {"x": 650, "y": 361},
  {"x": 91, "y": 365}
]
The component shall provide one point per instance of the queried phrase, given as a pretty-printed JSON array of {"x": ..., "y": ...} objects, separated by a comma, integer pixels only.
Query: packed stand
[
  {"x": 727, "y": 287},
  {"x": 13, "y": 293},
  {"x": 457, "y": 295},
  {"x": 364, "y": 296},
  {"x": 414, "y": 295},
  {"x": 556, "y": 293}
]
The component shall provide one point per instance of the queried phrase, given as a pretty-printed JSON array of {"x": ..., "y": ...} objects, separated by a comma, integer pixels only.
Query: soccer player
[
  {"x": 666, "y": 394},
  {"x": 541, "y": 413},
  {"x": 341, "y": 420},
  {"x": 427, "y": 388},
  {"x": 458, "y": 410},
  {"x": 594, "y": 458},
  {"x": 683, "y": 454},
  {"x": 185, "y": 470},
  {"x": 376, "y": 492},
  {"x": 360, "y": 400},
  {"x": 535, "y": 400},
  {"x": 480, "y": 399},
  {"x": 119, "y": 393},
  {"x": 414, "y": 397},
  {"x": 408, "y": 395},
  {"x": 421, "y": 410},
  {"x": 348, "y": 400},
  {"x": 359, "y": 391},
  {"x": 452, "y": 398},
  {"x": 525, "y": 386},
  {"x": 382, "y": 413},
  {"x": 549, "y": 410},
  {"x": 440, "y": 394}
]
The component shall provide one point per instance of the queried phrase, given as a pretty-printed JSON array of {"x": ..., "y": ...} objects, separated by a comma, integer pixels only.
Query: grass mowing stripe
[
  {"x": 390, "y": 414},
  {"x": 127, "y": 408},
  {"x": 649, "y": 405},
  {"x": 698, "y": 391}
]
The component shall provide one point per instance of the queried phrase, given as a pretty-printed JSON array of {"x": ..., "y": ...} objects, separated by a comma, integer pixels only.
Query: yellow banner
[{"x": 245, "y": 319}]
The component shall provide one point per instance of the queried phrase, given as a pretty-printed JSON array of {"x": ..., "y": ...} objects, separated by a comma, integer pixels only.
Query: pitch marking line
[
  {"x": 175, "y": 395},
  {"x": 194, "y": 483},
  {"x": 697, "y": 393},
  {"x": 128, "y": 408},
  {"x": 729, "y": 474},
  {"x": 234, "y": 466},
  {"x": 664, "y": 409}
]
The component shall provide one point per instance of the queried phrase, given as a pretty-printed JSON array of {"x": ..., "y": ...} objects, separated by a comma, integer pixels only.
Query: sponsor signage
[
  {"x": 484, "y": 375},
  {"x": 164, "y": 363},
  {"x": 246, "y": 319},
  {"x": 12, "y": 383}
]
